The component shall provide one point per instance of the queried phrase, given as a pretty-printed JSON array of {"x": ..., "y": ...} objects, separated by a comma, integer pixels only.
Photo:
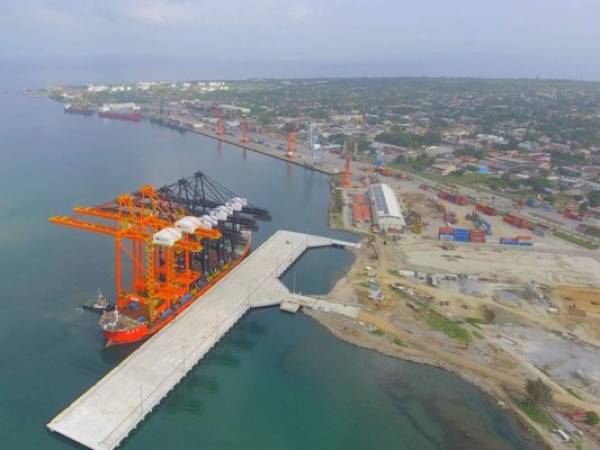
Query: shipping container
[
  {"x": 461, "y": 200},
  {"x": 516, "y": 221},
  {"x": 166, "y": 313},
  {"x": 486, "y": 209},
  {"x": 186, "y": 298}
]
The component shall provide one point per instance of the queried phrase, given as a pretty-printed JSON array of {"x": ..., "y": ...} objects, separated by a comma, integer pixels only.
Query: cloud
[
  {"x": 299, "y": 13},
  {"x": 161, "y": 12},
  {"x": 182, "y": 12},
  {"x": 56, "y": 18}
]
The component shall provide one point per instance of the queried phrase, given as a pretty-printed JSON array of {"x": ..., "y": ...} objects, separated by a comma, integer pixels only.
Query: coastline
[
  {"x": 258, "y": 148},
  {"x": 501, "y": 399},
  {"x": 404, "y": 353},
  {"x": 340, "y": 328}
]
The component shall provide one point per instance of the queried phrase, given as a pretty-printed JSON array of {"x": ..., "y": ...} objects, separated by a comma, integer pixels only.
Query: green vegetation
[
  {"x": 591, "y": 418},
  {"x": 473, "y": 179},
  {"x": 538, "y": 392},
  {"x": 594, "y": 198},
  {"x": 474, "y": 321},
  {"x": 488, "y": 315},
  {"x": 536, "y": 414},
  {"x": 451, "y": 329},
  {"x": 573, "y": 393},
  {"x": 396, "y": 136},
  {"x": 376, "y": 332},
  {"x": 576, "y": 240},
  {"x": 538, "y": 184},
  {"x": 402, "y": 294},
  {"x": 475, "y": 153},
  {"x": 338, "y": 200},
  {"x": 399, "y": 342},
  {"x": 420, "y": 163}
]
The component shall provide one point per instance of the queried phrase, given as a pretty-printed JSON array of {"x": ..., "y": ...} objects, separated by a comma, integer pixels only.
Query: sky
[{"x": 286, "y": 38}]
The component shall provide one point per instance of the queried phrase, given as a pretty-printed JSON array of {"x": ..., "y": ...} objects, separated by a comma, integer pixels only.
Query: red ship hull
[
  {"x": 132, "y": 117},
  {"x": 143, "y": 331}
]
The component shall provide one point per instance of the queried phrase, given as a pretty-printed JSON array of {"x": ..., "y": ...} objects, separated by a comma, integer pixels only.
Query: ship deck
[{"x": 104, "y": 415}]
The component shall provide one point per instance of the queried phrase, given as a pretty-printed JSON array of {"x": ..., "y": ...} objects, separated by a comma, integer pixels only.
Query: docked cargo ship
[
  {"x": 175, "y": 242},
  {"x": 73, "y": 109},
  {"x": 130, "y": 323},
  {"x": 130, "y": 116},
  {"x": 121, "y": 111}
]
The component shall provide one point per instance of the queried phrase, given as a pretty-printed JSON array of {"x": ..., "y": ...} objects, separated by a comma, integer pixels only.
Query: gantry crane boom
[{"x": 185, "y": 245}]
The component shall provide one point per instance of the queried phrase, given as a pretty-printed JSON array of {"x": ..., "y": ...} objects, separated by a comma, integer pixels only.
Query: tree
[
  {"x": 594, "y": 198},
  {"x": 363, "y": 144},
  {"x": 591, "y": 418},
  {"x": 538, "y": 184},
  {"x": 538, "y": 393}
]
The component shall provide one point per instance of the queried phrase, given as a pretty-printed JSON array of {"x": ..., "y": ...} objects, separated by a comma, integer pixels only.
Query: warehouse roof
[{"x": 385, "y": 201}]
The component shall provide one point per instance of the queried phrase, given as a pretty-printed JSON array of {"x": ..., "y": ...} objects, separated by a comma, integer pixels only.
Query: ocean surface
[{"x": 274, "y": 382}]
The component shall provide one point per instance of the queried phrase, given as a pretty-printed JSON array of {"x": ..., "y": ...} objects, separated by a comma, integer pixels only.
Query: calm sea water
[{"x": 274, "y": 382}]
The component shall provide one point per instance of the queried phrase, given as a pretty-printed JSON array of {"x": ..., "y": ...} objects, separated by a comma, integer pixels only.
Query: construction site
[{"x": 463, "y": 285}]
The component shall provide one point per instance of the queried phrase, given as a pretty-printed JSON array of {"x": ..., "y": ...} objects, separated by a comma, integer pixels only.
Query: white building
[
  {"x": 100, "y": 88},
  {"x": 385, "y": 207},
  {"x": 128, "y": 106}
]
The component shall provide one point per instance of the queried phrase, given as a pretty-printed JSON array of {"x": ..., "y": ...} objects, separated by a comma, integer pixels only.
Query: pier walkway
[{"x": 104, "y": 415}]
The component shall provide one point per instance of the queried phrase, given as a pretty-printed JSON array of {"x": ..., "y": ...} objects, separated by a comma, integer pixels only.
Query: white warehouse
[{"x": 385, "y": 207}]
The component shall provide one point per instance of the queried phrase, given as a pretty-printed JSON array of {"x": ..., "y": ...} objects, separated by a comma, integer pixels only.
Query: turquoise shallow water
[{"x": 274, "y": 382}]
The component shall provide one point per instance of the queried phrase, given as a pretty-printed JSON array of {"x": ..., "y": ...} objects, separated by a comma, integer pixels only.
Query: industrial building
[{"x": 385, "y": 208}]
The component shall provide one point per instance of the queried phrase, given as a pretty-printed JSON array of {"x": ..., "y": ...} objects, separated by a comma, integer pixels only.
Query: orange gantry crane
[
  {"x": 346, "y": 177},
  {"x": 245, "y": 137},
  {"x": 220, "y": 122},
  {"x": 291, "y": 150},
  {"x": 160, "y": 273}
]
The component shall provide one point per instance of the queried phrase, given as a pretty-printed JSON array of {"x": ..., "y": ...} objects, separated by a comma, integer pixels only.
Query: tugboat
[{"x": 100, "y": 305}]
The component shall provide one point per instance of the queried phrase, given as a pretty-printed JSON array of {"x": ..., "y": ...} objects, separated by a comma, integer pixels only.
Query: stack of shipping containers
[
  {"x": 461, "y": 235},
  {"x": 477, "y": 236},
  {"x": 485, "y": 209},
  {"x": 454, "y": 198},
  {"x": 519, "y": 240},
  {"x": 446, "y": 234},
  {"x": 516, "y": 221}
]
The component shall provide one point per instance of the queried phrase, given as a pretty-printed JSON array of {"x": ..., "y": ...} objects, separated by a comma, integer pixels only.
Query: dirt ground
[
  {"x": 584, "y": 298},
  {"x": 518, "y": 265},
  {"x": 543, "y": 280}
]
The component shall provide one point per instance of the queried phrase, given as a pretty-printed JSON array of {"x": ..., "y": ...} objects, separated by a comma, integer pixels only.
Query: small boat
[{"x": 100, "y": 305}]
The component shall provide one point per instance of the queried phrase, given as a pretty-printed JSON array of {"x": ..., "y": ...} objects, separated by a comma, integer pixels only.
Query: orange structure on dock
[
  {"x": 346, "y": 177},
  {"x": 179, "y": 241}
]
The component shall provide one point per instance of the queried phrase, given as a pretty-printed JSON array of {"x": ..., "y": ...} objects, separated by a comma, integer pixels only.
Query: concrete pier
[{"x": 104, "y": 415}]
